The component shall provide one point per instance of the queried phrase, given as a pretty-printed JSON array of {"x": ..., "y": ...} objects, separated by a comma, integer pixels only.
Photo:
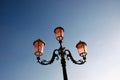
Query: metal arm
[
  {"x": 79, "y": 62},
  {"x": 45, "y": 62}
]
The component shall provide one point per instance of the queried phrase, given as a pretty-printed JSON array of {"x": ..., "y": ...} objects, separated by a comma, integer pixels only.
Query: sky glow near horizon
[{"x": 95, "y": 22}]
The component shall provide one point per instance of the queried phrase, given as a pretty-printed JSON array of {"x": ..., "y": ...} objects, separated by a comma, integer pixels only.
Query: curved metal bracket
[
  {"x": 45, "y": 62},
  {"x": 79, "y": 62}
]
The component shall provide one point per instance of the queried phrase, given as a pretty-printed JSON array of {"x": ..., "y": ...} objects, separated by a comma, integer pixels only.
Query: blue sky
[{"x": 97, "y": 22}]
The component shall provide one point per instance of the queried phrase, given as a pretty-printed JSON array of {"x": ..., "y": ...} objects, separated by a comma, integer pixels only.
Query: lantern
[
  {"x": 38, "y": 47},
  {"x": 82, "y": 48},
  {"x": 59, "y": 33}
]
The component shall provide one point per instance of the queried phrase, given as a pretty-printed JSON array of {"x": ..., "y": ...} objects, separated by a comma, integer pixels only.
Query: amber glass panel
[{"x": 35, "y": 47}]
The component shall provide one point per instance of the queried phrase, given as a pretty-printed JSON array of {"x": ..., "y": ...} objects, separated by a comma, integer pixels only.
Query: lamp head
[
  {"x": 38, "y": 47},
  {"x": 82, "y": 48},
  {"x": 59, "y": 33}
]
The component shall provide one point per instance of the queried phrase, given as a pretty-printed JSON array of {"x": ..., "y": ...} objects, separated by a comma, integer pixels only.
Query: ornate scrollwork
[
  {"x": 69, "y": 56},
  {"x": 56, "y": 55},
  {"x": 45, "y": 62}
]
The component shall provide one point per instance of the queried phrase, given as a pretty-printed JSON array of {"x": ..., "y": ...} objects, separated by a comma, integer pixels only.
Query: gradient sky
[{"x": 97, "y": 22}]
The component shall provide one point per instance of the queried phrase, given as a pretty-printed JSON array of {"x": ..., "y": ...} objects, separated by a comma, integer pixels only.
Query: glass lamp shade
[
  {"x": 59, "y": 33},
  {"x": 38, "y": 47},
  {"x": 82, "y": 48}
]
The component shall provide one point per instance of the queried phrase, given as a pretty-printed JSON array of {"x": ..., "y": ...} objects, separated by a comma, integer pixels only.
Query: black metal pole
[
  {"x": 64, "y": 69},
  {"x": 63, "y": 62}
]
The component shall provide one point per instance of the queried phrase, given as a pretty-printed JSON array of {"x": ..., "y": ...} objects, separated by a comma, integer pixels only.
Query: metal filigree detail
[
  {"x": 45, "y": 62},
  {"x": 79, "y": 62}
]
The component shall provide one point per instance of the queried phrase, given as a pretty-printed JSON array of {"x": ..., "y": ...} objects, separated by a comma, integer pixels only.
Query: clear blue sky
[{"x": 97, "y": 22}]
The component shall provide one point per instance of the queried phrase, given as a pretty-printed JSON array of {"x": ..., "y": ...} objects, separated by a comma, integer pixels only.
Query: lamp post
[{"x": 62, "y": 52}]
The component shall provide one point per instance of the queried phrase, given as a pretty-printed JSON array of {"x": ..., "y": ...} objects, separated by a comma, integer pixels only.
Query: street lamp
[{"x": 62, "y": 52}]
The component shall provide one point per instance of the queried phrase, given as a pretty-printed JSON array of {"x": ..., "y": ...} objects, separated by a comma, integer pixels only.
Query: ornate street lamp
[{"x": 61, "y": 52}]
